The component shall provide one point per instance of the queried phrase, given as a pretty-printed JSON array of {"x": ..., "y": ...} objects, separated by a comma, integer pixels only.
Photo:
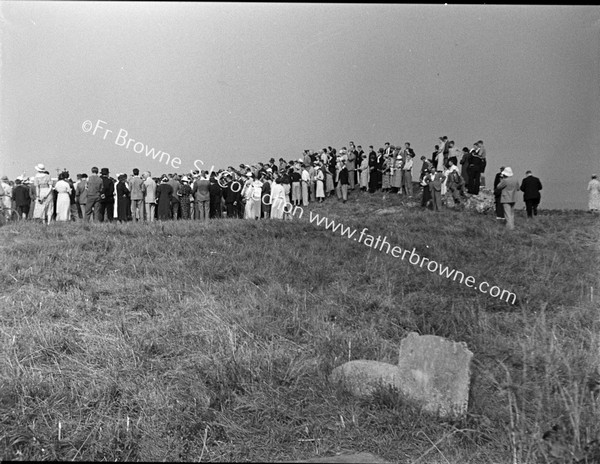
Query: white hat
[
  {"x": 185, "y": 179},
  {"x": 40, "y": 168},
  {"x": 507, "y": 172}
]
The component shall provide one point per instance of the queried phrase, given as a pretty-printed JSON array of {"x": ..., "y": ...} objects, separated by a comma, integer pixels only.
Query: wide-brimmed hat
[
  {"x": 40, "y": 168},
  {"x": 507, "y": 172},
  {"x": 4, "y": 178},
  {"x": 104, "y": 172}
]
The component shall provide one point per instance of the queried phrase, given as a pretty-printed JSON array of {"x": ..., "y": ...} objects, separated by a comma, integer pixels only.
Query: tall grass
[{"x": 214, "y": 341}]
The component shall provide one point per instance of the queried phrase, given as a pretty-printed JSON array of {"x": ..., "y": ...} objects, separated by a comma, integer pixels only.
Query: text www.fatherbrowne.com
[{"x": 413, "y": 257}]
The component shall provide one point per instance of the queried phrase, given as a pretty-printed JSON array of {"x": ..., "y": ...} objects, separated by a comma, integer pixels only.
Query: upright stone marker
[
  {"x": 435, "y": 372},
  {"x": 431, "y": 370}
]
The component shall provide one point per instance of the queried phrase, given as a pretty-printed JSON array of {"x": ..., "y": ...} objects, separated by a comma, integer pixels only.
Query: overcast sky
[{"x": 225, "y": 83}]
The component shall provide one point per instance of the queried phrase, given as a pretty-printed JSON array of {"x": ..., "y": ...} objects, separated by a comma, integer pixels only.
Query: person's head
[
  {"x": 164, "y": 179},
  {"x": 451, "y": 162},
  {"x": 122, "y": 178},
  {"x": 17, "y": 181},
  {"x": 136, "y": 172},
  {"x": 527, "y": 173},
  {"x": 84, "y": 176},
  {"x": 594, "y": 176},
  {"x": 465, "y": 149},
  {"x": 501, "y": 168},
  {"x": 104, "y": 172},
  {"x": 423, "y": 158},
  {"x": 451, "y": 143},
  {"x": 507, "y": 172},
  {"x": 95, "y": 170}
]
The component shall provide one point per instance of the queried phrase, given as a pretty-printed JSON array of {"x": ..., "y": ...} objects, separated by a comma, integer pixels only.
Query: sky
[{"x": 170, "y": 87}]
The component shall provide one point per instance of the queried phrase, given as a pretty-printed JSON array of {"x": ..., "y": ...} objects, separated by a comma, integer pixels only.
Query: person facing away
[
  {"x": 137, "y": 196},
  {"x": 164, "y": 196},
  {"x": 94, "y": 190},
  {"x": 508, "y": 188},
  {"x": 22, "y": 199},
  {"x": 531, "y": 186},
  {"x": 107, "y": 197},
  {"x": 497, "y": 195},
  {"x": 149, "y": 191},
  {"x": 594, "y": 194}
]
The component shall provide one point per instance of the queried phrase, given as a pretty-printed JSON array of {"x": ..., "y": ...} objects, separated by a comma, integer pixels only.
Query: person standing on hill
[
  {"x": 43, "y": 194},
  {"x": 435, "y": 186},
  {"x": 351, "y": 166},
  {"x": 149, "y": 190},
  {"x": 201, "y": 191},
  {"x": 137, "y": 196},
  {"x": 164, "y": 195},
  {"x": 464, "y": 164},
  {"x": 531, "y": 186},
  {"x": 123, "y": 195},
  {"x": 474, "y": 171},
  {"x": 63, "y": 202},
  {"x": 107, "y": 197},
  {"x": 20, "y": 195},
  {"x": 508, "y": 189},
  {"x": 215, "y": 192},
  {"x": 594, "y": 194},
  {"x": 94, "y": 190},
  {"x": 81, "y": 193},
  {"x": 497, "y": 196},
  {"x": 407, "y": 172}
]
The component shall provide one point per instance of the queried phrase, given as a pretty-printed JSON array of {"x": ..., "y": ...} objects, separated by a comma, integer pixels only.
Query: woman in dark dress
[
  {"x": 185, "y": 194},
  {"x": 164, "y": 192},
  {"x": 373, "y": 178},
  {"x": 123, "y": 195}
]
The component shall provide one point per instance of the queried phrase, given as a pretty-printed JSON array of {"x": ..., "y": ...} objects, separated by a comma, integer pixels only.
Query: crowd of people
[{"x": 268, "y": 190}]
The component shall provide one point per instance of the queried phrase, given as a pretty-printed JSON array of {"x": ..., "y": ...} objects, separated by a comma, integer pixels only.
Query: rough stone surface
[
  {"x": 367, "y": 458},
  {"x": 436, "y": 372},
  {"x": 361, "y": 377},
  {"x": 481, "y": 203},
  {"x": 433, "y": 371}
]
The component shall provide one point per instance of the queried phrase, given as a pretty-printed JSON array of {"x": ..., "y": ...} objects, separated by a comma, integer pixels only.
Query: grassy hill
[{"x": 213, "y": 341}]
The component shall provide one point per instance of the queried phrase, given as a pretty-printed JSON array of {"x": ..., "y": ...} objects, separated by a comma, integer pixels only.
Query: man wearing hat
[
  {"x": 201, "y": 190},
  {"x": 107, "y": 197},
  {"x": 508, "y": 189},
  {"x": 94, "y": 190}
]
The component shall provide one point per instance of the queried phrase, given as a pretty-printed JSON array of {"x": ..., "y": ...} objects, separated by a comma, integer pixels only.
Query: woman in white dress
[
  {"x": 277, "y": 199},
  {"x": 364, "y": 173},
  {"x": 247, "y": 196},
  {"x": 63, "y": 201},
  {"x": 320, "y": 178},
  {"x": 43, "y": 193},
  {"x": 594, "y": 194}
]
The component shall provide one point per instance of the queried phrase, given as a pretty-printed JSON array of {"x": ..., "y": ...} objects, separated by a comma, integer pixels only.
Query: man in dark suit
[
  {"x": 107, "y": 197},
  {"x": 215, "y": 193},
  {"x": 531, "y": 186}
]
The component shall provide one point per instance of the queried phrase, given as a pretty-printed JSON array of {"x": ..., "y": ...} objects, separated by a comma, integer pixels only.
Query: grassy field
[{"x": 187, "y": 341}]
